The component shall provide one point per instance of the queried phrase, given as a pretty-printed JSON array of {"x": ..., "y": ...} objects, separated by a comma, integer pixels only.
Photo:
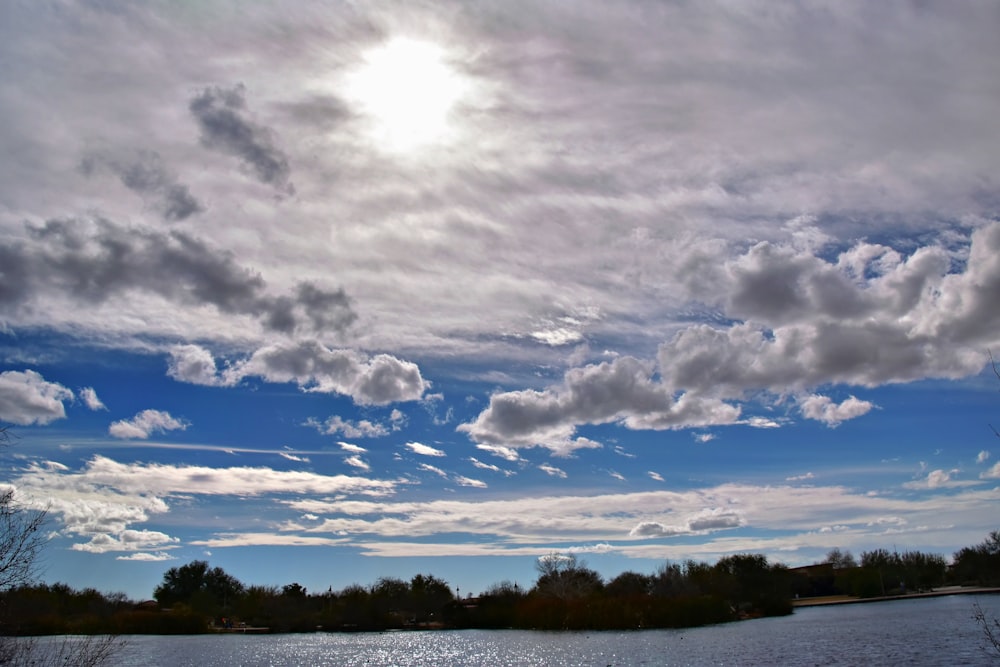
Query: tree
[
  {"x": 979, "y": 564},
  {"x": 840, "y": 560},
  {"x": 429, "y": 596},
  {"x": 205, "y": 590},
  {"x": 991, "y": 631},
  {"x": 561, "y": 576}
]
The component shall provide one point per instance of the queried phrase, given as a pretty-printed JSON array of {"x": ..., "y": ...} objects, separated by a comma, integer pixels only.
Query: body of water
[{"x": 932, "y": 631}]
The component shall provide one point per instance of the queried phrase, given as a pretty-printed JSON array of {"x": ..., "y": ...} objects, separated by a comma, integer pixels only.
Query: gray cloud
[
  {"x": 870, "y": 318},
  {"x": 27, "y": 398},
  {"x": 622, "y": 390},
  {"x": 225, "y": 126},
  {"x": 377, "y": 380},
  {"x": 705, "y": 520},
  {"x": 94, "y": 260},
  {"x": 146, "y": 175}
]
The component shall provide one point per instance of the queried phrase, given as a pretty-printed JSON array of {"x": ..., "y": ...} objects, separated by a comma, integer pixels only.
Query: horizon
[{"x": 320, "y": 294}]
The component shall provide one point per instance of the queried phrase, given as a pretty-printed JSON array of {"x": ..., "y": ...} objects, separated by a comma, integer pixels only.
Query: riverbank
[{"x": 937, "y": 592}]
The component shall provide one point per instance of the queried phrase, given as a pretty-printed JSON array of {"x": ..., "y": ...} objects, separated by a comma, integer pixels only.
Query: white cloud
[
  {"x": 617, "y": 475},
  {"x": 146, "y": 557},
  {"x": 822, "y": 408},
  {"x": 27, "y": 398},
  {"x": 434, "y": 469},
  {"x": 362, "y": 428},
  {"x": 357, "y": 462},
  {"x": 294, "y": 457},
  {"x": 983, "y": 456},
  {"x": 655, "y": 476},
  {"x": 992, "y": 473},
  {"x": 552, "y": 471},
  {"x": 762, "y": 422},
  {"x": 90, "y": 399},
  {"x": 162, "y": 479},
  {"x": 127, "y": 540},
  {"x": 145, "y": 424},
  {"x": 489, "y": 466},
  {"x": 352, "y": 448},
  {"x": 468, "y": 481},
  {"x": 939, "y": 479},
  {"x": 423, "y": 450},
  {"x": 800, "y": 478},
  {"x": 505, "y": 453}
]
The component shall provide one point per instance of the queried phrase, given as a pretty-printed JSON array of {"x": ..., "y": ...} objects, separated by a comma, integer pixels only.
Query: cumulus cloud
[
  {"x": 193, "y": 364},
  {"x": 702, "y": 521},
  {"x": 983, "y": 456},
  {"x": 145, "y": 174},
  {"x": 469, "y": 482},
  {"x": 622, "y": 390},
  {"x": 992, "y": 473},
  {"x": 822, "y": 408},
  {"x": 89, "y": 397},
  {"x": 226, "y": 126},
  {"x": 872, "y": 317},
  {"x": 939, "y": 479},
  {"x": 423, "y": 450},
  {"x": 377, "y": 380},
  {"x": 869, "y": 317},
  {"x": 145, "y": 424},
  {"x": 27, "y": 398},
  {"x": 361, "y": 428},
  {"x": 93, "y": 260}
]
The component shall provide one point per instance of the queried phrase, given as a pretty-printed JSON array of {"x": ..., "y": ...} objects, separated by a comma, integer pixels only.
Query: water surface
[{"x": 930, "y": 631}]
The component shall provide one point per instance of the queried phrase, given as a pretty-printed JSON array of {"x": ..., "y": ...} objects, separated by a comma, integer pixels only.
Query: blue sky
[{"x": 322, "y": 292}]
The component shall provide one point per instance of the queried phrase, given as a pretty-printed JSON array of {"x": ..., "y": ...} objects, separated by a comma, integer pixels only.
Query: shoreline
[{"x": 937, "y": 592}]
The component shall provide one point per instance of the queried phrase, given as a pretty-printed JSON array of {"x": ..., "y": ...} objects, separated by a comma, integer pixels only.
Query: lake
[{"x": 930, "y": 631}]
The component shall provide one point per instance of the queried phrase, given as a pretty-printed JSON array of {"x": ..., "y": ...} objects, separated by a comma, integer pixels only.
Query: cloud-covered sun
[{"x": 407, "y": 89}]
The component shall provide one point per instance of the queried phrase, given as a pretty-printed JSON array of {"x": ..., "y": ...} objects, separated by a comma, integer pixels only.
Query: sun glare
[{"x": 407, "y": 89}]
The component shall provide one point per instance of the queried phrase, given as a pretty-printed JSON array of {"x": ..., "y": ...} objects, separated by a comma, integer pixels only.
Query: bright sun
[{"x": 407, "y": 89}]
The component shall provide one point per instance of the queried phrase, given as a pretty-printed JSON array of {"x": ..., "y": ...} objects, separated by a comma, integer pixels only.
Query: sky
[{"x": 321, "y": 292}]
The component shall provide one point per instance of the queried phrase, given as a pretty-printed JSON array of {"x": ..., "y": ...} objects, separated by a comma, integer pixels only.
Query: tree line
[
  {"x": 566, "y": 594},
  {"x": 881, "y": 572}
]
